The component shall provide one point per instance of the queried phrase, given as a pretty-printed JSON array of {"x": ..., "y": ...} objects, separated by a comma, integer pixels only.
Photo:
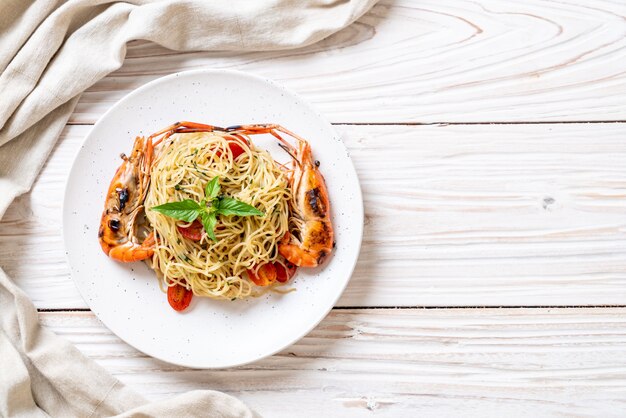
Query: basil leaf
[
  {"x": 186, "y": 210},
  {"x": 229, "y": 206},
  {"x": 212, "y": 188},
  {"x": 208, "y": 221}
]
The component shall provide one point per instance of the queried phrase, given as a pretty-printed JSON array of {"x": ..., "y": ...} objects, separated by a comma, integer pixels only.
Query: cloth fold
[{"x": 50, "y": 52}]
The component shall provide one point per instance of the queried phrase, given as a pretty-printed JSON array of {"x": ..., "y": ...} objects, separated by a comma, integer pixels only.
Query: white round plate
[{"x": 127, "y": 298}]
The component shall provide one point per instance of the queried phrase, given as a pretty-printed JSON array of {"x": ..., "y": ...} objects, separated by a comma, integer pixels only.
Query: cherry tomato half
[
  {"x": 193, "y": 231},
  {"x": 270, "y": 272},
  {"x": 265, "y": 275},
  {"x": 235, "y": 146},
  {"x": 283, "y": 274},
  {"x": 179, "y": 297}
]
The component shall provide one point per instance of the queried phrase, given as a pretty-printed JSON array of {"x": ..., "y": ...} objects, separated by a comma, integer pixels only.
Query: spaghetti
[
  {"x": 213, "y": 215},
  {"x": 216, "y": 269}
]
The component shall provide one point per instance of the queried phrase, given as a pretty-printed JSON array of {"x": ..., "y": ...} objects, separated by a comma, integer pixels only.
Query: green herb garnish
[{"x": 208, "y": 208}]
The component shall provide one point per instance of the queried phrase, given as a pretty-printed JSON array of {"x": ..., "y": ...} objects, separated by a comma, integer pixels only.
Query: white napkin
[{"x": 50, "y": 52}]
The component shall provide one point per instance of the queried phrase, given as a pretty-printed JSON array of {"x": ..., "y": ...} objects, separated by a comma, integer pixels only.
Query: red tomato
[
  {"x": 193, "y": 231},
  {"x": 284, "y": 274},
  {"x": 179, "y": 297},
  {"x": 268, "y": 273},
  {"x": 235, "y": 146},
  {"x": 265, "y": 275}
]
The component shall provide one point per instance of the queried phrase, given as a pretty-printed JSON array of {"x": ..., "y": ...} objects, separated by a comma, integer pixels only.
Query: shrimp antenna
[{"x": 288, "y": 151}]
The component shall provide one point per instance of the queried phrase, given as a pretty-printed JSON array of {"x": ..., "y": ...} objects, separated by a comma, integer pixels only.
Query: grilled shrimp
[{"x": 123, "y": 217}]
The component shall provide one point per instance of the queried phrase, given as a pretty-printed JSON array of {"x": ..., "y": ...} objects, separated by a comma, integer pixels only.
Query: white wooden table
[{"x": 490, "y": 141}]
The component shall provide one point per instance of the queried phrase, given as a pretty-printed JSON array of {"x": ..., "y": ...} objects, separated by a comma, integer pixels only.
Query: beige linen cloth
[{"x": 50, "y": 52}]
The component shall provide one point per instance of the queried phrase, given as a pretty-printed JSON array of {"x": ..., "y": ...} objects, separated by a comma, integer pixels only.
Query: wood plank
[
  {"x": 405, "y": 363},
  {"x": 481, "y": 215},
  {"x": 431, "y": 61}
]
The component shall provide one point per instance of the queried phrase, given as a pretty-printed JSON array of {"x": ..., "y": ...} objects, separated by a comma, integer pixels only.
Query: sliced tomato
[
  {"x": 265, "y": 275},
  {"x": 235, "y": 146},
  {"x": 270, "y": 272},
  {"x": 193, "y": 231},
  {"x": 283, "y": 274},
  {"x": 179, "y": 297}
]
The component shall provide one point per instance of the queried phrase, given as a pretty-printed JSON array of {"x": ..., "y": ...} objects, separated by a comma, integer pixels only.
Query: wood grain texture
[
  {"x": 405, "y": 363},
  {"x": 483, "y": 215},
  {"x": 431, "y": 61}
]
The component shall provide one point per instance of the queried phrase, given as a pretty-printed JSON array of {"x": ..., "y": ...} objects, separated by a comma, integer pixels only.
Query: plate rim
[{"x": 359, "y": 207}]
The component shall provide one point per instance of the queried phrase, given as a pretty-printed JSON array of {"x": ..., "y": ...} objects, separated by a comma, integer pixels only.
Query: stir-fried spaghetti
[
  {"x": 216, "y": 269},
  {"x": 213, "y": 215}
]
